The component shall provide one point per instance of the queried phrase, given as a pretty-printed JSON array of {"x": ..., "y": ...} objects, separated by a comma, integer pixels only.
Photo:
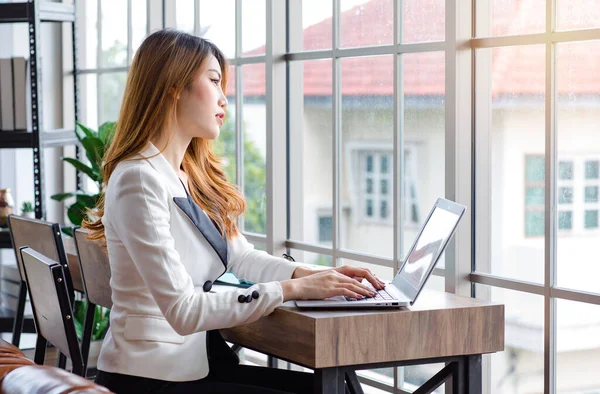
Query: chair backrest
[
  {"x": 95, "y": 269},
  {"x": 43, "y": 237},
  {"x": 50, "y": 304}
]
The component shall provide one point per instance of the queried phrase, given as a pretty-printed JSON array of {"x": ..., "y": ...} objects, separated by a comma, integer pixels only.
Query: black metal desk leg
[
  {"x": 473, "y": 383},
  {"x": 458, "y": 376},
  {"x": 329, "y": 381},
  {"x": 353, "y": 384}
]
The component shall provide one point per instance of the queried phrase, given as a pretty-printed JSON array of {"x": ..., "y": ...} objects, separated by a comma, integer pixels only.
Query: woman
[{"x": 168, "y": 220}]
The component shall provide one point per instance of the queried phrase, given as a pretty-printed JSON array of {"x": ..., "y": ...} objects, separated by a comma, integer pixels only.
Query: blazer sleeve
[
  {"x": 137, "y": 209},
  {"x": 257, "y": 266}
]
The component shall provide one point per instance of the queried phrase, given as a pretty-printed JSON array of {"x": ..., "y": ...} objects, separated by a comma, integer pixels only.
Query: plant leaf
[
  {"x": 88, "y": 200},
  {"x": 76, "y": 213},
  {"x": 61, "y": 196},
  {"x": 106, "y": 132},
  {"x": 94, "y": 175},
  {"x": 94, "y": 150},
  {"x": 82, "y": 132},
  {"x": 67, "y": 230}
]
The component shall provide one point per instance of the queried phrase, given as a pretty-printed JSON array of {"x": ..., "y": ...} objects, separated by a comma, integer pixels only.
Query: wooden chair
[
  {"x": 46, "y": 238},
  {"x": 95, "y": 275},
  {"x": 52, "y": 312}
]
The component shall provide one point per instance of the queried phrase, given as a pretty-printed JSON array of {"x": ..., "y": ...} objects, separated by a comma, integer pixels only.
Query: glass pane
[
  {"x": 217, "y": 23},
  {"x": 138, "y": 24},
  {"x": 87, "y": 33},
  {"x": 424, "y": 140},
  {"x": 423, "y": 20},
  {"x": 384, "y": 273},
  {"x": 577, "y": 344},
  {"x": 254, "y": 31},
  {"x": 255, "y": 145},
  {"x": 510, "y": 17},
  {"x": 591, "y": 219},
  {"x": 413, "y": 377},
  {"x": 114, "y": 33},
  {"x": 316, "y": 26},
  {"x": 224, "y": 146},
  {"x": 311, "y": 163},
  {"x": 534, "y": 169},
  {"x": 366, "y": 127},
  {"x": 368, "y": 23},
  {"x": 112, "y": 86},
  {"x": 577, "y": 14},
  {"x": 591, "y": 194},
  {"x": 565, "y": 195},
  {"x": 89, "y": 100},
  {"x": 578, "y": 144},
  {"x": 592, "y": 169},
  {"x": 184, "y": 15},
  {"x": 520, "y": 367},
  {"x": 534, "y": 196},
  {"x": 316, "y": 259},
  {"x": 565, "y": 220},
  {"x": 565, "y": 170},
  {"x": 511, "y": 80},
  {"x": 534, "y": 223}
]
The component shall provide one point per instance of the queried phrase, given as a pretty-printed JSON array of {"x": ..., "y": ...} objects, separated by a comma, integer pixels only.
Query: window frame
[{"x": 551, "y": 37}]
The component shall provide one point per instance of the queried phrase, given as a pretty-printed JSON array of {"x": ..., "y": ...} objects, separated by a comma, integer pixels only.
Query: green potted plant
[
  {"x": 95, "y": 144},
  {"x": 27, "y": 209}
]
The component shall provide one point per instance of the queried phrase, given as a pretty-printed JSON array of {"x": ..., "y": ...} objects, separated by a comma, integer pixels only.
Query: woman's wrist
[
  {"x": 301, "y": 272},
  {"x": 289, "y": 289}
]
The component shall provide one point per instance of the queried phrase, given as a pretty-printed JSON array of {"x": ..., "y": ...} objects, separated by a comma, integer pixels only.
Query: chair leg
[
  {"x": 62, "y": 361},
  {"x": 20, "y": 313},
  {"x": 88, "y": 328},
  {"x": 40, "y": 350}
]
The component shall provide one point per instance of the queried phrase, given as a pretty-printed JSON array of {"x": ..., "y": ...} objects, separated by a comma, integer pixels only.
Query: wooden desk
[{"x": 441, "y": 327}]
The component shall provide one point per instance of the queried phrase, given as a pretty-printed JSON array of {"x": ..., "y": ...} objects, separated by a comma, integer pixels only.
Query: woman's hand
[
  {"x": 348, "y": 270},
  {"x": 327, "y": 283},
  {"x": 359, "y": 274}
]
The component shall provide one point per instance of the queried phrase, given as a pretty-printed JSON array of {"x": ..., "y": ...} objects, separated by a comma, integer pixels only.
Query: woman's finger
[
  {"x": 347, "y": 279},
  {"x": 348, "y": 293},
  {"x": 375, "y": 281},
  {"x": 360, "y": 289}
]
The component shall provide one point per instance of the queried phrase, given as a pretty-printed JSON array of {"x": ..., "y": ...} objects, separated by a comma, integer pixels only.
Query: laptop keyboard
[{"x": 381, "y": 295}]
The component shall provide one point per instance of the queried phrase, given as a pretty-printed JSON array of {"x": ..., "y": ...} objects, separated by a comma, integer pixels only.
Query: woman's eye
[{"x": 215, "y": 81}]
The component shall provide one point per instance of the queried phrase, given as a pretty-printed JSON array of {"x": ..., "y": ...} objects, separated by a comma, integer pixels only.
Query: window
[
  {"x": 578, "y": 183},
  {"x": 376, "y": 183},
  {"x": 591, "y": 191},
  {"x": 376, "y": 179},
  {"x": 325, "y": 229},
  {"x": 534, "y": 196}
]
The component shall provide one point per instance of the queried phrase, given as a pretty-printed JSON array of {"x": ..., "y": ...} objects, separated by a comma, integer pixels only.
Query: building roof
[{"x": 516, "y": 70}]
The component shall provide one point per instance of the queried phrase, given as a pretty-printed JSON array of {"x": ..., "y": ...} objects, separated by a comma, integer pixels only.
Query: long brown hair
[{"x": 164, "y": 65}]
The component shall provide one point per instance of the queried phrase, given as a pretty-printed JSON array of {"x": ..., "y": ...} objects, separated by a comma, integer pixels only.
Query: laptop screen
[{"x": 426, "y": 250}]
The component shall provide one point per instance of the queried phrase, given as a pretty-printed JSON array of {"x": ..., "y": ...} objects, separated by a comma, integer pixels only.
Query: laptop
[{"x": 428, "y": 247}]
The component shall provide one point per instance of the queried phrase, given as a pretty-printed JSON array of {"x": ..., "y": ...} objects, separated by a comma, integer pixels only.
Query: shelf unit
[{"x": 33, "y": 13}]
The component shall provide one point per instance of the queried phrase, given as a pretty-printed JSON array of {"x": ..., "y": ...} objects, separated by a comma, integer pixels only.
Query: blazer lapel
[{"x": 204, "y": 224}]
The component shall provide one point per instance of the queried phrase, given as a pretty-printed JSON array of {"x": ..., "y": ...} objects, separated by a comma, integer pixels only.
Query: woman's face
[{"x": 201, "y": 106}]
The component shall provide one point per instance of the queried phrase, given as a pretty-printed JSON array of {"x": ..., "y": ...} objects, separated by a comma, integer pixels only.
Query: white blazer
[{"x": 163, "y": 249}]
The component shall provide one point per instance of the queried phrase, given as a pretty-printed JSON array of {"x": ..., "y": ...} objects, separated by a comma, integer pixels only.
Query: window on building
[
  {"x": 376, "y": 186},
  {"x": 578, "y": 184},
  {"x": 534, "y": 196}
]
